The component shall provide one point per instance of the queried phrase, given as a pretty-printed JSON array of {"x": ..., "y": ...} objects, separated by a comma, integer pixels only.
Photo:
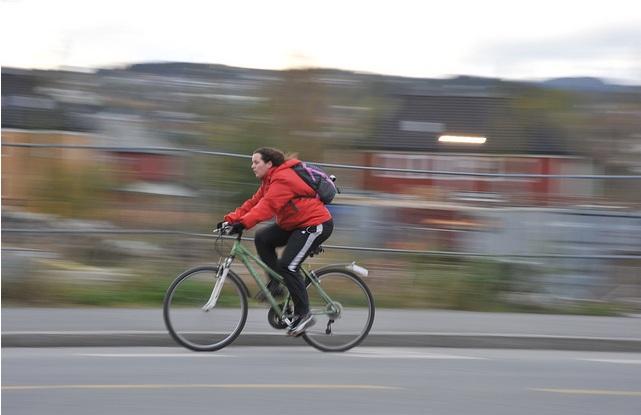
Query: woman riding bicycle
[{"x": 302, "y": 224}]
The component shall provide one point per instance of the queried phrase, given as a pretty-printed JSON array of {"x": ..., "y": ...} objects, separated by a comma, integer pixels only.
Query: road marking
[
  {"x": 393, "y": 353},
  {"x": 589, "y": 392},
  {"x": 84, "y": 332},
  {"x": 624, "y": 361},
  {"x": 153, "y": 355},
  {"x": 202, "y": 385}
]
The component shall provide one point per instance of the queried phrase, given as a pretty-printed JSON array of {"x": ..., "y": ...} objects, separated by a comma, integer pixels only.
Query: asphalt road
[{"x": 284, "y": 380}]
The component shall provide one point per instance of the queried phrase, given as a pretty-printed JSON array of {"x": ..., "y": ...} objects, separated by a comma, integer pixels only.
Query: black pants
[{"x": 298, "y": 243}]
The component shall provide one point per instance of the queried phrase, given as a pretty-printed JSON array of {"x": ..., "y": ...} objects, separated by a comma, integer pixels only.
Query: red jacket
[{"x": 285, "y": 195}]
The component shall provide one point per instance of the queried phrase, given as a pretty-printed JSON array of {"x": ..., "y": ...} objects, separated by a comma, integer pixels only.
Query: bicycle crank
[{"x": 274, "y": 319}]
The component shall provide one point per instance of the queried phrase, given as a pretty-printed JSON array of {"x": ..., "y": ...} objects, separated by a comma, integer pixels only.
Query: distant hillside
[
  {"x": 218, "y": 71},
  {"x": 190, "y": 70},
  {"x": 587, "y": 84}
]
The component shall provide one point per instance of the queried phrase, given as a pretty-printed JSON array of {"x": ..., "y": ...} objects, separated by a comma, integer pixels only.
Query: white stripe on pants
[{"x": 301, "y": 254}]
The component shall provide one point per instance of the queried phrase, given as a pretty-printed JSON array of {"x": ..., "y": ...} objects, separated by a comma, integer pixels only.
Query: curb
[{"x": 453, "y": 340}]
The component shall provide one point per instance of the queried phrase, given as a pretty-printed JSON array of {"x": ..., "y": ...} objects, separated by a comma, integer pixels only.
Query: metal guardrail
[
  {"x": 337, "y": 247},
  {"x": 331, "y": 165}
]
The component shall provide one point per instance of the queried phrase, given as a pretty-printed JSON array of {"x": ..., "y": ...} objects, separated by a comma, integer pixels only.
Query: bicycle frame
[{"x": 247, "y": 257}]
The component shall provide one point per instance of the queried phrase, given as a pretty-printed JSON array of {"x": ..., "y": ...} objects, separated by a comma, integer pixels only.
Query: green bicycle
[{"x": 205, "y": 308}]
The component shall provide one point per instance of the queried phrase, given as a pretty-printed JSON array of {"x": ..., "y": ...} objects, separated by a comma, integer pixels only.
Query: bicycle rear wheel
[
  {"x": 201, "y": 330},
  {"x": 346, "y": 322}
]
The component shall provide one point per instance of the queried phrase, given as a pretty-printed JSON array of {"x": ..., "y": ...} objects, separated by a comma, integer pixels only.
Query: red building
[{"x": 513, "y": 144}]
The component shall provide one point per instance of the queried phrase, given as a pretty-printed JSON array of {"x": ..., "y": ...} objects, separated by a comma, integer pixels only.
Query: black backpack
[{"x": 319, "y": 180}]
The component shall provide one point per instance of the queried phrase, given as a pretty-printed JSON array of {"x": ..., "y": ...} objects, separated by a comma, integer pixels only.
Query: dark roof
[
  {"x": 23, "y": 107},
  {"x": 476, "y": 114}
]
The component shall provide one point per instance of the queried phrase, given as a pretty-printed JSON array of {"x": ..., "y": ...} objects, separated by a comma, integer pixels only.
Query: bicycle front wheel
[
  {"x": 344, "y": 322},
  {"x": 197, "y": 328}
]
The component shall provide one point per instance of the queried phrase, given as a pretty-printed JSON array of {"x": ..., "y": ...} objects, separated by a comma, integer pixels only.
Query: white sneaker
[{"x": 301, "y": 324}]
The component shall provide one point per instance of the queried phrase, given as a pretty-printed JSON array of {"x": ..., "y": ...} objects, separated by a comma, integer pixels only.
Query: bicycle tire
[
  {"x": 194, "y": 328},
  {"x": 356, "y": 318}
]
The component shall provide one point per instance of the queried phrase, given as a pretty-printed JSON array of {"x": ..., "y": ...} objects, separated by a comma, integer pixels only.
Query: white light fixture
[{"x": 461, "y": 139}]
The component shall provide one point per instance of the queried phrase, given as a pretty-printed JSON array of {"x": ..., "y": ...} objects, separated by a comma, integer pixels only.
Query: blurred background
[{"x": 113, "y": 174}]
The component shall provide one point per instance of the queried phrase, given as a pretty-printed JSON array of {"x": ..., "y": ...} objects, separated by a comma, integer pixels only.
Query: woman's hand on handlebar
[{"x": 227, "y": 228}]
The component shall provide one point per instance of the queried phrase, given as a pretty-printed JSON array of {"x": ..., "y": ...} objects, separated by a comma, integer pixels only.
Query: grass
[
  {"x": 147, "y": 288},
  {"x": 473, "y": 285}
]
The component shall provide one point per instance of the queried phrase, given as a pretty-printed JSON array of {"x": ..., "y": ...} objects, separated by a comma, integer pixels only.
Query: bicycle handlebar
[{"x": 225, "y": 229}]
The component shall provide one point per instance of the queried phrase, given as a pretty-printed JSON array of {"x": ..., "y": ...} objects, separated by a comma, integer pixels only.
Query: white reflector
[{"x": 461, "y": 139}]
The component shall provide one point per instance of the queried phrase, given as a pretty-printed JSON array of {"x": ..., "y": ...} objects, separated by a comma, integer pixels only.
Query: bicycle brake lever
[{"x": 222, "y": 229}]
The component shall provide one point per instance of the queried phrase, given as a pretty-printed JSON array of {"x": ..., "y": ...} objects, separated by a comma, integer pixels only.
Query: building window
[
  {"x": 402, "y": 161},
  {"x": 450, "y": 163},
  {"x": 421, "y": 126}
]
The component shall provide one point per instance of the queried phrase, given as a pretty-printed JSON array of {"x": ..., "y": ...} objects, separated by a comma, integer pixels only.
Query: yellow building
[{"x": 25, "y": 170}]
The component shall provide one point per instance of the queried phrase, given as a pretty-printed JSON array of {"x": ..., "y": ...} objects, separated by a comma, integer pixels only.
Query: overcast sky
[{"x": 433, "y": 39}]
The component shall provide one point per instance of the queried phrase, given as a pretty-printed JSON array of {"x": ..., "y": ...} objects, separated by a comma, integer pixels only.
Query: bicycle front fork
[{"x": 221, "y": 275}]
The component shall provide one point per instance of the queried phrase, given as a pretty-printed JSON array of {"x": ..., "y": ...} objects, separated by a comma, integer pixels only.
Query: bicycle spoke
[
  {"x": 345, "y": 322},
  {"x": 199, "y": 328}
]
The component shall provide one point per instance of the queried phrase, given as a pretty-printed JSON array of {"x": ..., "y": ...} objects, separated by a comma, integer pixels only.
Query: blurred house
[
  {"x": 32, "y": 116},
  {"x": 439, "y": 211},
  {"x": 27, "y": 171},
  {"x": 410, "y": 140},
  {"x": 60, "y": 109},
  {"x": 149, "y": 183},
  {"x": 24, "y": 106}
]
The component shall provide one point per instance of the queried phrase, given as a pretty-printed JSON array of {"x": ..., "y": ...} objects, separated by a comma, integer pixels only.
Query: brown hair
[{"x": 271, "y": 154}]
